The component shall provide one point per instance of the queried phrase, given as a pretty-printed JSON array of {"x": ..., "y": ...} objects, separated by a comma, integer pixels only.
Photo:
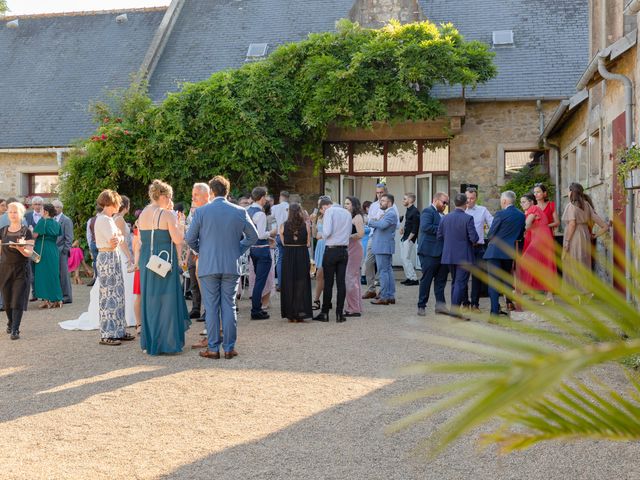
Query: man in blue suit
[
  {"x": 430, "y": 254},
  {"x": 507, "y": 228},
  {"x": 220, "y": 233},
  {"x": 458, "y": 234},
  {"x": 383, "y": 246}
]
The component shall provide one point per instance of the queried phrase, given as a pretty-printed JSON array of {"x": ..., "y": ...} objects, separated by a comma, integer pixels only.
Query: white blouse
[{"x": 105, "y": 229}]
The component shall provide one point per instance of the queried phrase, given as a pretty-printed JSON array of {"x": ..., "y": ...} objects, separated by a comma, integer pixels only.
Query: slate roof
[
  {"x": 551, "y": 43},
  {"x": 214, "y": 35},
  {"x": 53, "y": 66}
]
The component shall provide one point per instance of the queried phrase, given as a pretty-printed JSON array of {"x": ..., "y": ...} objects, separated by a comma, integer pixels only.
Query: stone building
[
  {"x": 487, "y": 134},
  {"x": 589, "y": 130}
]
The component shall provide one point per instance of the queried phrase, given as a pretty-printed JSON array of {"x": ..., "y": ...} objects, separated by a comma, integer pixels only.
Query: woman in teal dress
[
  {"x": 164, "y": 314},
  {"x": 47, "y": 271}
]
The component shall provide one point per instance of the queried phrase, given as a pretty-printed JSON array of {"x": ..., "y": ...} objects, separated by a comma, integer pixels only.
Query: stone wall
[
  {"x": 15, "y": 166},
  {"x": 489, "y": 129},
  {"x": 303, "y": 182},
  {"x": 605, "y": 103},
  {"x": 375, "y": 13}
]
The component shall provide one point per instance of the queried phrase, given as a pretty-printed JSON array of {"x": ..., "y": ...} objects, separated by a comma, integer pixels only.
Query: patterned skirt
[{"x": 111, "y": 303}]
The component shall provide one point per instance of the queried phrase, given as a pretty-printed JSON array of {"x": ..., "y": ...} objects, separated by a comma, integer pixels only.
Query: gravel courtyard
[{"x": 301, "y": 401}]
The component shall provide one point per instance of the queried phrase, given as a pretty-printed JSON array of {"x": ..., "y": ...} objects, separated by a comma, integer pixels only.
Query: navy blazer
[
  {"x": 28, "y": 219},
  {"x": 383, "y": 237},
  {"x": 428, "y": 243},
  {"x": 220, "y": 232},
  {"x": 507, "y": 228},
  {"x": 458, "y": 232}
]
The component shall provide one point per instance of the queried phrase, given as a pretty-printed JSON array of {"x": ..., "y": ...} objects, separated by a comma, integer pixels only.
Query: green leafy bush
[
  {"x": 257, "y": 123},
  {"x": 524, "y": 181}
]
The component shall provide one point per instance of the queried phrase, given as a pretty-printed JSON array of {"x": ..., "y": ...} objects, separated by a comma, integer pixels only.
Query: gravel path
[{"x": 301, "y": 401}]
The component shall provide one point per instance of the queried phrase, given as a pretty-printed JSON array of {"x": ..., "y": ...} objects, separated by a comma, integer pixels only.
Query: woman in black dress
[
  {"x": 295, "y": 288},
  {"x": 15, "y": 271}
]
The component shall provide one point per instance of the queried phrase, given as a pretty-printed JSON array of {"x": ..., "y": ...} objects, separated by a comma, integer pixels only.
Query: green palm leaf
[{"x": 525, "y": 375}]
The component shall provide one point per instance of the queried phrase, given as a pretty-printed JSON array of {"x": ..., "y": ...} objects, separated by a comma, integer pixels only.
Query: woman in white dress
[{"x": 89, "y": 320}]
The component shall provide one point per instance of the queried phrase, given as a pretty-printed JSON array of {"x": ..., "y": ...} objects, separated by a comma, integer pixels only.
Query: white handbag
[{"x": 156, "y": 263}]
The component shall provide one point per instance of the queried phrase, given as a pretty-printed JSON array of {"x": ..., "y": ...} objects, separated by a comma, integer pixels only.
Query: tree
[
  {"x": 539, "y": 382},
  {"x": 3, "y": 7},
  {"x": 257, "y": 123}
]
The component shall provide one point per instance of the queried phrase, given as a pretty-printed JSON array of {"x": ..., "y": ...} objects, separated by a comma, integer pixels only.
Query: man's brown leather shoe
[
  {"x": 210, "y": 354},
  {"x": 201, "y": 344},
  {"x": 369, "y": 295},
  {"x": 380, "y": 302},
  {"x": 230, "y": 355},
  {"x": 392, "y": 301}
]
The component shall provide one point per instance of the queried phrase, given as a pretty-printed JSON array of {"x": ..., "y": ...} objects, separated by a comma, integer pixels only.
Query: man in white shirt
[
  {"x": 281, "y": 213},
  {"x": 481, "y": 219},
  {"x": 336, "y": 230},
  {"x": 32, "y": 218},
  {"x": 370, "y": 258},
  {"x": 260, "y": 254}
]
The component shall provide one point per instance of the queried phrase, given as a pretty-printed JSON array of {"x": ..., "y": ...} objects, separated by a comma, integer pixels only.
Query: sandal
[
  {"x": 110, "y": 341},
  {"x": 127, "y": 337},
  {"x": 45, "y": 304},
  {"x": 316, "y": 304},
  {"x": 138, "y": 329}
]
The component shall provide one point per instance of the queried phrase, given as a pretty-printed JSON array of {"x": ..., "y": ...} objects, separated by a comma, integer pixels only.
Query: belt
[
  {"x": 335, "y": 246},
  {"x": 106, "y": 249}
]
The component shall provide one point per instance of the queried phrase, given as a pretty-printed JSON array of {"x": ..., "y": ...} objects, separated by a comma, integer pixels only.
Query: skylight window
[
  {"x": 256, "y": 51},
  {"x": 502, "y": 38}
]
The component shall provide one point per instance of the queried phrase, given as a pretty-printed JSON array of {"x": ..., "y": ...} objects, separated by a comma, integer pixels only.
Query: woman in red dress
[
  {"x": 541, "y": 192},
  {"x": 538, "y": 255}
]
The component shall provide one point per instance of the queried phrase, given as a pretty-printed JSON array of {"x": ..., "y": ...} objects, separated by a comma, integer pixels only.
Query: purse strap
[
  {"x": 43, "y": 237},
  {"x": 153, "y": 228}
]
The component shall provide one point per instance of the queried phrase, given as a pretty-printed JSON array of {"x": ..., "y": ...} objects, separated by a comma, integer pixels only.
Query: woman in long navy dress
[{"x": 165, "y": 317}]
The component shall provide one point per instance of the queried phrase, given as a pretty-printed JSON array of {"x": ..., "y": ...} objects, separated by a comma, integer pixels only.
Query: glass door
[
  {"x": 347, "y": 187},
  {"x": 424, "y": 191}
]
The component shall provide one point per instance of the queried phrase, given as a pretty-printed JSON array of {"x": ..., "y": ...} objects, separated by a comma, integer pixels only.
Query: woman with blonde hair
[
  {"x": 15, "y": 271},
  {"x": 164, "y": 314}
]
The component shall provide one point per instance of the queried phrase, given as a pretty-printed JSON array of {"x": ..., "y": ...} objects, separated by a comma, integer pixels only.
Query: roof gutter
[
  {"x": 564, "y": 107},
  {"x": 55, "y": 150},
  {"x": 612, "y": 52},
  {"x": 632, "y": 8}
]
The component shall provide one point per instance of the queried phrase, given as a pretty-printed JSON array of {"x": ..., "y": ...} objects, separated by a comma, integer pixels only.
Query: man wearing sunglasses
[{"x": 430, "y": 255}]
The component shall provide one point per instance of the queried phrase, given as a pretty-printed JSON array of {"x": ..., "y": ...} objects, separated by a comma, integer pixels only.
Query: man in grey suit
[
  {"x": 383, "y": 246},
  {"x": 220, "y": 233},
  {"x": 64, "y": 243}
]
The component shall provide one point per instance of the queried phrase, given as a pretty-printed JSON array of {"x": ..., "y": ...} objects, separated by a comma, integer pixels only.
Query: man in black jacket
[{"x": 409, "y": 238}]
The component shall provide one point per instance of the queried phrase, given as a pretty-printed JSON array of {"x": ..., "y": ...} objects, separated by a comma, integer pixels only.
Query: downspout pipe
[
  {"x": 556, "y": 171},
  {"x": 540, "y": 115},
  {"x": 628, "y": 120}
]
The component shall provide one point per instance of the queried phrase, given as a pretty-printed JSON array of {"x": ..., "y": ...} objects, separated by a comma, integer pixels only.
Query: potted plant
[{"x": 629, "y": 167}]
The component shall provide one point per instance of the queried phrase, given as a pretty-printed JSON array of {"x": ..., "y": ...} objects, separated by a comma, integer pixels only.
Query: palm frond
[{"x": 525, "y": 375}]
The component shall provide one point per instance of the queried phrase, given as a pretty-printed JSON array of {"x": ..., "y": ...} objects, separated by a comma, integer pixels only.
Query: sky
[{"x": 23, "y": 7}]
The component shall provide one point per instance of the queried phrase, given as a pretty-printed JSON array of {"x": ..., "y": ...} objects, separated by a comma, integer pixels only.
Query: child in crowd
[{"x": 76, "y": 260}]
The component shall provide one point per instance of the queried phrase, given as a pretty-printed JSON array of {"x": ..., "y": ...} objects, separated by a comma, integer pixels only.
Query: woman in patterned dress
[{"x": 108, "y": 239}]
